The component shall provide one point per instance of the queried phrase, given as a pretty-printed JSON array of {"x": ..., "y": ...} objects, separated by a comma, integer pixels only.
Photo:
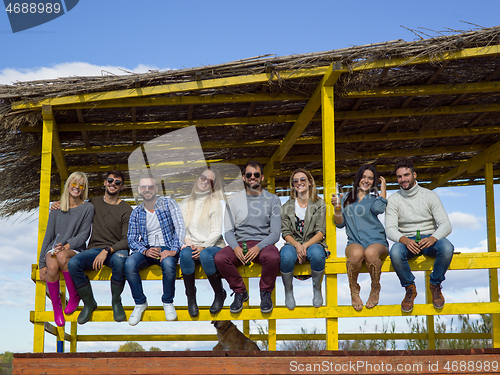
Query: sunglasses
[
  {"x": 74, "y": 184},
  {"x": 147, "y": 187},
  {"x": 249, "y": 174},
  {"x": 295, "y": 181},
  {"x": 204, "y": 178},
  {"x": 117, "y": 182}
]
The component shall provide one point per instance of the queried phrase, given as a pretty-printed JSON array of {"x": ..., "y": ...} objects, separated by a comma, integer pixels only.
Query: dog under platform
[{"x": 472, "y": 361}]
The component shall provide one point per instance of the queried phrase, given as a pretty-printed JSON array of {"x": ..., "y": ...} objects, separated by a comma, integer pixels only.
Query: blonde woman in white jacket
[{"x": 202, "y": 212}]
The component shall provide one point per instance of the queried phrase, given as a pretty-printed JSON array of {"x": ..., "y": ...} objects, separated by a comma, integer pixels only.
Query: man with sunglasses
[
  {"x": 155, "y": 235},
  {"x": 253, "y": 221},
  {"x": 107, "y": 246}
]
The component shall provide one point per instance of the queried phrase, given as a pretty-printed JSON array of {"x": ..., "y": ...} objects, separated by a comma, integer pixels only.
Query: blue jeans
[
  {"x": 442, "y": 250},
  {"x": 315, "y": 254},
  {"x": 207, "y": 256},
  {"x": 84, "y": 260},
  {"x": 136, "y": 262}
]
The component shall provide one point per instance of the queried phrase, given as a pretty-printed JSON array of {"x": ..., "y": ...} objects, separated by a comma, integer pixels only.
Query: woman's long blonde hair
[
  {"x": 65, "y": 195},
  {"x": 312, "y": 185},
  {"x": 210, "y": 202}
]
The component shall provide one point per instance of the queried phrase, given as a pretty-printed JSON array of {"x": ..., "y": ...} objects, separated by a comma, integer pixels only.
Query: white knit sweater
[
  {"x": 416, "y": 209},
  {"x": 206, "y": 231}
]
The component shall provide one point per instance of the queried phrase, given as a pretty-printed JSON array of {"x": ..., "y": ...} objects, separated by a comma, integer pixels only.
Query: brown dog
[{"x": 231, "y": 338}]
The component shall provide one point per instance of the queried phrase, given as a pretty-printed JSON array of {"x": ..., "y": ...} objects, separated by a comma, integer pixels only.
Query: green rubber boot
[
  {"x": 116, "y": 302},
  {"x": 89, "y": 303}
]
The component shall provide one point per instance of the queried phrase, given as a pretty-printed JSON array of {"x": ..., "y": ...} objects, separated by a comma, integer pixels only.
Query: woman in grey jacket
[
  {"x": 66, "y": 234},
  {"x": 303, "y": 228}
]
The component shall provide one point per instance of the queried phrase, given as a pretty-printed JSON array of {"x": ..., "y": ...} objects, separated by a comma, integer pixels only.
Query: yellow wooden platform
[
  {"x": 331, "y": 312},
  {"x": 471, "y": 361}
]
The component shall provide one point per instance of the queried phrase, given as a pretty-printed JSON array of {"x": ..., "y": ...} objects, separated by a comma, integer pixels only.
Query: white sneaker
[
  {"x": 136, "y": 315},
  {"x": 170, "y": 313}
]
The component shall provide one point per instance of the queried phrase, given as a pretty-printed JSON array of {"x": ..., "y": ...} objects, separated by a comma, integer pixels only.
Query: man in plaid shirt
[{"x": 155, "y": 235}]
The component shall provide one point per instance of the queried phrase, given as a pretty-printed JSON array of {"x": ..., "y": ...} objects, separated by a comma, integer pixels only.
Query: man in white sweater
[{"x": 411, "y": 209}]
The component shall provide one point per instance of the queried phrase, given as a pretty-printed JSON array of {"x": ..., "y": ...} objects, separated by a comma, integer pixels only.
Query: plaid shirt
[{"x": 172, "y": 225}]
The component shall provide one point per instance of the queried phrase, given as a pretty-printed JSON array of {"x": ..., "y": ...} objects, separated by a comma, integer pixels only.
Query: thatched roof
[{"x": 423, "y": 99}]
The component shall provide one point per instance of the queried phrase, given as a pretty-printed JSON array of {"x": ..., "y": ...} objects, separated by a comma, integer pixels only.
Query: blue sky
[{"x": 105, "y": 36}]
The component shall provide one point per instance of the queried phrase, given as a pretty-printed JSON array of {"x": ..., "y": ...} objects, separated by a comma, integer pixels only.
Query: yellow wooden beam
[
  {"x": 185, "y": 100},
  {"x": 380, "y": 167},
  {"x": 205, "y": 145},
  {"x": 345, "y": 115},
  {"x": 233, "y": 121},
  {"x": 48, "y": 115},
  {"x": 307, "y": 158},
  {"x": 426, "y": 90},
  {"x": 425, "y": 134},
  {"x": 280, "y": 336},
  {"x": 416, "y": 60},
  {"x": 173, "y": 88},
  {"x": 334, "y": 265},
  {"x": 491, "y": 154},
  {"x": 417, "y": 152},
  {"x": 124, "y": 167},
  {"x": 420, "y": 111},
  {"x": 305, "y": 117},
  {"x": 464, "y": 261},
  {"x": 275, "y": 142},
  {"x": 156, "y": 313},
  {"x": 492, "y": 248}
]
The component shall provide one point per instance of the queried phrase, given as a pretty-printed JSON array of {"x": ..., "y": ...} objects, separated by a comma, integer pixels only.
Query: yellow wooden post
[
  {"x": 43, "y": 216},
  {"x": 246, "y": 323},
  {"x": 492, "y": 247},
  {"x": 73, "y": 342},
  {"x": 271, "y": 334},
  {"x": 271, "y": 331},
  {"x": 328, "y": 130},
  {"x": 431, "y": 334}
]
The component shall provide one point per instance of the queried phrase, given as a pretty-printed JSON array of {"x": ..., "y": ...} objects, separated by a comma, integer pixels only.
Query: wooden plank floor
[{"x": 470, "y": 361}]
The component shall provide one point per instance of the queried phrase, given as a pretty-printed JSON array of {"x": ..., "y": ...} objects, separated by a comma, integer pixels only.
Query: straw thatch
[{"x": 20, "y": 158}]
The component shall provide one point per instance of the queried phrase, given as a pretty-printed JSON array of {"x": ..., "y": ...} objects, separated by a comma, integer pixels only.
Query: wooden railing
[{"x": 331, "y": 311}]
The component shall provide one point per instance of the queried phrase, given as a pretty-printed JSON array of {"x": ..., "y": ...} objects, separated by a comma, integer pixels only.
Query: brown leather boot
[
  {"x": 352, "y": 276},
  {"x": 437, "y": 296},
  {"x": 375, "y": 270},
  {"x": 411, "y": 293}
]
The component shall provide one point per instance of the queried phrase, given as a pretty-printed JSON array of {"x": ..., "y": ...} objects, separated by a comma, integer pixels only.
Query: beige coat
[{"x": 314, "y": 222}]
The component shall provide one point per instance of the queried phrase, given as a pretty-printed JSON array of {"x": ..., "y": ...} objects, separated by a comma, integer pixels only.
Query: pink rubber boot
[
  {"x": 55, "y": 297},
  {"x": 74, "y": 297}
]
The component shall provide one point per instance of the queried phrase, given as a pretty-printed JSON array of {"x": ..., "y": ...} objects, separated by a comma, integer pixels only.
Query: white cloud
[
  {"x": 463, "y": 220},
  {"x": 19, "y": 245},
  {"x": 481, "y": 248},
  {"x": 69, "y": 69},
  {"x": 445, "y": 192}
]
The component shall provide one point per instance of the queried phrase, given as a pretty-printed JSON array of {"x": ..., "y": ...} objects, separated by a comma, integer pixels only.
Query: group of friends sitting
[{"x": 160, "y": 231}]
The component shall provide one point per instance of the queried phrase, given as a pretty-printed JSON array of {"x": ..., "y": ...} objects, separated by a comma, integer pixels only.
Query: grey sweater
[
  {"x": 72, "y": 226},
  {"x": 255, "y": 218}
]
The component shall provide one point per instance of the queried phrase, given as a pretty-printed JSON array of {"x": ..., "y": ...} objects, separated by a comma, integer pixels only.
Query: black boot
[
  {"x": 220, "y": 293},
  {"x": 90, "y": 305},
  {"x": 191, "y": 294},
  {"x": 116, "y": 302}
]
